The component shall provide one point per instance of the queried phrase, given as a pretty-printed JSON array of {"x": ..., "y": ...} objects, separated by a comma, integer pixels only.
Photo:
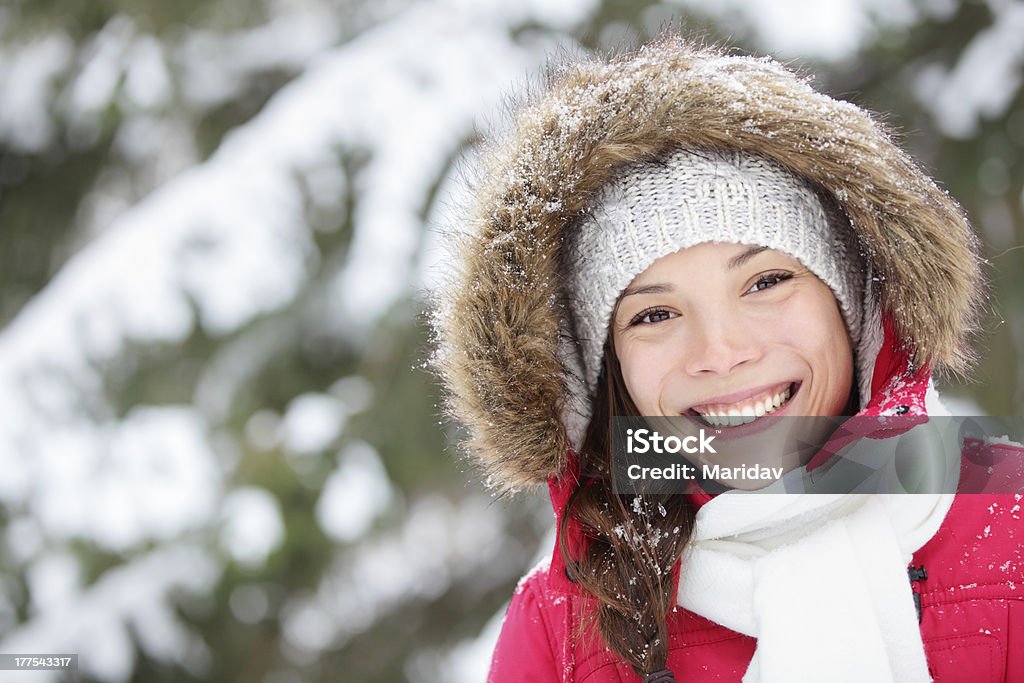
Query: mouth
[{"x": 752, "y": 408}]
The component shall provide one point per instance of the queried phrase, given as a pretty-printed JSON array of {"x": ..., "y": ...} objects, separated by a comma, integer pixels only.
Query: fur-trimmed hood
[{"x": 499, "y": 320}]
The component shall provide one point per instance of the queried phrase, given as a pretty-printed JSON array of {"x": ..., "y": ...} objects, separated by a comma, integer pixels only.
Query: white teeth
[{"x": 749, "y": 413}]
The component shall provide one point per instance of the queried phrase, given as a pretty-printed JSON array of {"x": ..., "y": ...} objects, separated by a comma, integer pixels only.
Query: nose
[{"x": 720, "y": 343}]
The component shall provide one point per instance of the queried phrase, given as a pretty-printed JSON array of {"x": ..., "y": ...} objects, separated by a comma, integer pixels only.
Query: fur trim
[{"x": 500, "y": 319}]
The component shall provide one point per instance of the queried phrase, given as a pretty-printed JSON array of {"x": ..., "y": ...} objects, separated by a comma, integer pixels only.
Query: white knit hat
[{"x": 652, "y": 210}]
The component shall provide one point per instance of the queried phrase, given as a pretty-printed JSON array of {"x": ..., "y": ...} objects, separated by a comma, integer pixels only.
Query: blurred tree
[{"x": 951, "y": 84}]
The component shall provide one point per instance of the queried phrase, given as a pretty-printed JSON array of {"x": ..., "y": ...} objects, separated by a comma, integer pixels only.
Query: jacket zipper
[{"x": 917, "y": 574}]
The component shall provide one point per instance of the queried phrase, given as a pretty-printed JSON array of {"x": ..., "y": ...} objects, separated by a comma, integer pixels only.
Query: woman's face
[{"x": 720, "y": 329}]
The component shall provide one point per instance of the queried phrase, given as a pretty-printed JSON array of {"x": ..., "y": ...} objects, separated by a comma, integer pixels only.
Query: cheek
[
  {"x": 642, "y": 371},
  {"x": 819, "y": 335},
  {"x": 816, "y": 331}
]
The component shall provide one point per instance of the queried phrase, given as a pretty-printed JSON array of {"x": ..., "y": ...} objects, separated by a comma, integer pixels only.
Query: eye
[
  {"x": 651, "y": 315},
  {"x": 767, "y": 281}
]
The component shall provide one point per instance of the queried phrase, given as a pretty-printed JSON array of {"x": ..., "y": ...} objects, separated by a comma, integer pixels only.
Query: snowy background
[{"x": 220, "y": 456}]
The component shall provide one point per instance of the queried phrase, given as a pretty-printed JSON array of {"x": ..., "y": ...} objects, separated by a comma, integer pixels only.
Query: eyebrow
[
  {"x": 740, "y": 259},
  {"x": 662, "y": 288},
  {"x": 659, "y": 288}
]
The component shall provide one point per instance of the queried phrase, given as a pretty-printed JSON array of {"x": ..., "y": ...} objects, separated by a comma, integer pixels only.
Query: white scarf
[{"x": 820, "y": 580}]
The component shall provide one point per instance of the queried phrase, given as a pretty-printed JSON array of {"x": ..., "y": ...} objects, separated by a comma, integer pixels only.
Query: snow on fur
[{"x": 498, "y": 319}]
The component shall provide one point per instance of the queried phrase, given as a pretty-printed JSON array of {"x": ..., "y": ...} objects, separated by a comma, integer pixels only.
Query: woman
[{"x": 679, "y": 232}]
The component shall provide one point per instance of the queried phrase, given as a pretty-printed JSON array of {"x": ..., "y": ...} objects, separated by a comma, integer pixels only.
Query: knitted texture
[{"x": 655, "y": 209}]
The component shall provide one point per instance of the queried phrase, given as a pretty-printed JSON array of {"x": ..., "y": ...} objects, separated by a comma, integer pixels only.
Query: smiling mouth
[{"x": 747, "y": 410}]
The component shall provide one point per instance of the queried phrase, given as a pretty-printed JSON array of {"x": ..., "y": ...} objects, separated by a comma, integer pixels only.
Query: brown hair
[{"x": 630, "y": 543}]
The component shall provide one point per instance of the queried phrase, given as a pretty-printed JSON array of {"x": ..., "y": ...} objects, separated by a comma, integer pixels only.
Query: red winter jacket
[
  {"x": 510, "y": 361},
  {"x": 972, "y": 601}
]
